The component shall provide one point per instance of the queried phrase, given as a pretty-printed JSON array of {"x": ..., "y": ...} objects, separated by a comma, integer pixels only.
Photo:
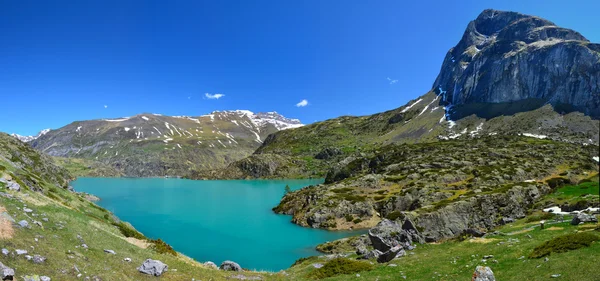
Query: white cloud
[
  {"x": 105, "y": 106},
  {"x": 213, "y": 96},
  {"x": 392, "y": 81},
  {"x": 302, "y": 103}
]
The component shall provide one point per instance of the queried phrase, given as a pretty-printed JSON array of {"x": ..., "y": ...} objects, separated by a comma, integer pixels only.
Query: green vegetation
[
  {"x": 127, "y": 230},
  {"x": 340, "y": 266},
  {"x": 564, "y": 243},
  {"x": 162, "y": 248}
]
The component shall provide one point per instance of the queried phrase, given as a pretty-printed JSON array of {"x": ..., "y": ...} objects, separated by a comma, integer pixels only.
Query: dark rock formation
[{"x": 521, "y": 60}]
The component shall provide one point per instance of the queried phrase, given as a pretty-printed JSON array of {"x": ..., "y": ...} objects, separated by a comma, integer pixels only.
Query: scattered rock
[
  {"x": 6, "y": 272},
  {"x": 23, "y": 224},
  {"x": 243, "y": 277},
  {"x": 45, "y": 278},
  {"x": 317, "y": 265},
  {"x": 211, "y": 265},
  {"x": 39, "y": 259},
  {"x": 5, "y": 252},
  {"x": 392, "y": 265},
  {"x": 125, "y": 259},
  {"x": 85, "y": 246},
  {"x": 28, "y": 257},
  {"x": 483, "y": 273},
  {"x": 153, "y": 267},
  {"x": 583, "y": 218},
  {"x": 27, "y": 210},
  {"x": 45, "y": 219},
  {"x": 230, "y": 266},
  {"x": 555, "y": 275},
  {"x": 110, "y": 252},
  {"x": 20, "y": 252}
]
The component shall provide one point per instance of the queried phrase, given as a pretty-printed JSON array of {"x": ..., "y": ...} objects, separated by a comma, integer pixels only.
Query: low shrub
[
  {"x": 162, "y": 247},
  {"x": 564, "y": 243},
  {"x": 340, "y": 266},
  {"x": 393, "y": 215},
  {"x": 540, "y": 217},
  {"x": 128, "y": 231},
  {"x": 357, "y": 220},
  {"x": 349, "y": 217}
]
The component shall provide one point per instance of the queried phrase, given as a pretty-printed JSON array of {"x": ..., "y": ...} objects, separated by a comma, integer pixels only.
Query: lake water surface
[{"x": 213, "y": 220}]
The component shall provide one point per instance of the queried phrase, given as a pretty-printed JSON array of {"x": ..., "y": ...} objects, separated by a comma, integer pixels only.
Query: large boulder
[
  {"x": 391, "y": 254},
  {"x": 388, "y": 234},
  {"x": 582, "y": 218},
  {"x": 6, "y": 272},
  {"x": 230, "y": 266},
  {"x": 483, "y": 273},
  {"x": 153, "y": 267}
]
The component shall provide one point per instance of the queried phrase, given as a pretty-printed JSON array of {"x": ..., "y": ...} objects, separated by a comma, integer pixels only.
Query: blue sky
[{"x": 62, "y": 61}]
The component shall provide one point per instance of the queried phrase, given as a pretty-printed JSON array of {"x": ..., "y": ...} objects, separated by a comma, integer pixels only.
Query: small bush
[
  {"x": 340, "y": 266},
  {"x": 540, "y": 217},
  {"x": 128, "y": 231},
  {"x": 349, "y": 217},
  {"x": 357, "y": 220},
  {"x": 564, "y": 243},
  {"x": 393, "y": 215},
  {"x": 162, "y": 247}
]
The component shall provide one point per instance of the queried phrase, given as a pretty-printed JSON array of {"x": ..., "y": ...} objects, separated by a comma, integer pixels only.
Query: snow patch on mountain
[{"x": 31, "y": 138}]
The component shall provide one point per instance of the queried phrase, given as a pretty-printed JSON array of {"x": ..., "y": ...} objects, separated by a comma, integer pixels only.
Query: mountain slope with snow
[{"x": 159, "y": 145}]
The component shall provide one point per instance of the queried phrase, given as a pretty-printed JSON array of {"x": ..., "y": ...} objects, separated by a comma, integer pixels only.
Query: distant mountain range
[{"x": 159, "y": 145}]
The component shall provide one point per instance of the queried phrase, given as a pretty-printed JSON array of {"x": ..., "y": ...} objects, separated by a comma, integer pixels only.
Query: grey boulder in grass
[
  {"x": 153, "y": 267},
  {"x": 483, "y": 273}
]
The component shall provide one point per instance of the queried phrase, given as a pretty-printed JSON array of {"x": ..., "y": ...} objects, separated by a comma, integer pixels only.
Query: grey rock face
[
  {"x": 7, "y": 273},
  {"x": 583, "y": 217},
  {"x": 230, "y": 266},
  {"x": 153, "y": 267},
  {"x": 211, "y": 264},
  {"x": 388, "y": 234},
  {"x": 506, "y": 57},
  {"x": 483, "y": 273}
]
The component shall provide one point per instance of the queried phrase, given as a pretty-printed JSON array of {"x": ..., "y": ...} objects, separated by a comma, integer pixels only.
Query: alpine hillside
[
  {"x": 510, "y": 74},
  {"x": 157, "y": 145}
]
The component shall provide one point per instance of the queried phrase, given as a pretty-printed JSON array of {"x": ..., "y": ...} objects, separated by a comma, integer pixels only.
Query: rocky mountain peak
[
  {"x": 508, "y": 57},
  {"x": 30, "y": 138}
]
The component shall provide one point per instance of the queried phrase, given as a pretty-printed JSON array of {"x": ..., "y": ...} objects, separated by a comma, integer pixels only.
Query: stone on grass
[
  {"x": 6, "y": 272},
  {"x": 110, "y": 252},
  {"x": 127, "y": 259},
  {"x": 23, "y": 224},
  {"x": 317, "y": 265},
  {"x": 45, "y": 278},
  {"x": 230, "y": 266},
  {"x": 39, "y": 259},
  {"x": 483, "y": 273},
  {"x": 20, "y": 252},
  {"x": 153, "y": 267},
  {"x": 5, "y": 252},
  {"x": 211, "y": 265}
]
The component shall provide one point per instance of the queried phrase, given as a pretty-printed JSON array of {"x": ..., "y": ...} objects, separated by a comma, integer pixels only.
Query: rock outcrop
[
  {"x": 6, "y": 272},
  {"x": 526, "y": 61},
  {"x": 583, "y": 218}
]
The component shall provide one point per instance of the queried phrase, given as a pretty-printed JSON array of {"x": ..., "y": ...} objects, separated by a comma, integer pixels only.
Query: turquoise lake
[{"x": 213, "y": 220}]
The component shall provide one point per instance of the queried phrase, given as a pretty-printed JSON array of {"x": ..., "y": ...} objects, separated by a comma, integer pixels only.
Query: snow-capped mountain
[
  {"x": 30, "y": 138},
  {"x": 155, "y": 145}
]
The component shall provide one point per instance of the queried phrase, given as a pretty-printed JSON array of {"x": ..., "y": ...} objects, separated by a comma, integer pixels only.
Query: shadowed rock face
[{"x": 506, "y": 57}]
